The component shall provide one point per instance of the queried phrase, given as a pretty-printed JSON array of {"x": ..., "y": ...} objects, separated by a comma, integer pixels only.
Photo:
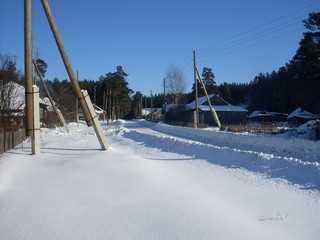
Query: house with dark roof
[{"x": 227, "y": 113}]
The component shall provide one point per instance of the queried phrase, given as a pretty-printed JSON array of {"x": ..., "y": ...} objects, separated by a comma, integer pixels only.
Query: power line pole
[
  {"x": 196, "y": 116},
  {"x": 151, "y": 106},
  {"x": 164, "y": 98},
  {"x": 104, "y": 106},
  {"x": 31, "y": 91},
  {"x": 95, "y": 95},
  {"x": 77, "y": 103},
  {"x": 28, "y": 67},
  {"x": 55, "y": 109}
]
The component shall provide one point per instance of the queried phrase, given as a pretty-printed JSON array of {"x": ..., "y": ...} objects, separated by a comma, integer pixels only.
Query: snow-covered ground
[{"x": 160, "y": 182}]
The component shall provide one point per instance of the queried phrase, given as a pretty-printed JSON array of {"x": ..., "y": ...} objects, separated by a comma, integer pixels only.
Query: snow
[{"x": 157, "y": 181}]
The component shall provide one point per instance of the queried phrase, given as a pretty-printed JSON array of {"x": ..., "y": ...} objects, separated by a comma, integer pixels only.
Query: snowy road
[
  {"x": 296, "y": 160},
  {"x": 160, "y": 182}
]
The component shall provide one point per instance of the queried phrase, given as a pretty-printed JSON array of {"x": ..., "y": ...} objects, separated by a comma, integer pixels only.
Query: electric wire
[
  {"x": 258, "y": 27},
  {"x": 269, "y": 31},
  {"x": 248, "y": 38}
]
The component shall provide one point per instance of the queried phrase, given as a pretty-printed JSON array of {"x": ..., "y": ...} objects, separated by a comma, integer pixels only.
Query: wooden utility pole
[
  {"x": 151, "y": 106},
  {"x": 214, "y": 114},
  {"x": 145, "y": 107},
  {"x": 104, "y": 106},
  {"x": 95, "y": 95},
  {"x": 196, "y": 116},
  {"x": 57, "y": 112},
  {"x": 77, "y": 103},
  {"x": 28, "y": 67},
  {"x": 31, "y": 91},
  {"x": 84, "y": 105},
  {"x": 164, "y": 99}
]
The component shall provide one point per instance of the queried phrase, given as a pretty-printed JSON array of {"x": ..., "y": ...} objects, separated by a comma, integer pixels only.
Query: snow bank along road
[
  {"x": 296, "y": 160},
  {"x": 160, "y": 182}
]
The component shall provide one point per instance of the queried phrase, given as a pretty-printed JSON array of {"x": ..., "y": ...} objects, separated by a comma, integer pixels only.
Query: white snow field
[{"x": 160, "y": 182}]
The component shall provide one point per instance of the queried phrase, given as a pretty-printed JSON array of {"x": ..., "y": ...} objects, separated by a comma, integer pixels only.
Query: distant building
[
  {"x": 264, "y": 116},
  {"x": 227, "y": 113},
  {"x": 99, "y": 112},
  {"x": 154, "y": 114},
  {"x": 300, "y": 116}
]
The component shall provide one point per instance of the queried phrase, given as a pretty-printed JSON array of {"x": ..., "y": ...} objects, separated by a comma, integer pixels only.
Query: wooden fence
[{"x": 9, "y": 140}]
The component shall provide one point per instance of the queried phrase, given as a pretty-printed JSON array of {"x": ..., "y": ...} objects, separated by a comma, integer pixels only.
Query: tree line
[{"x": 297, "y": 84}]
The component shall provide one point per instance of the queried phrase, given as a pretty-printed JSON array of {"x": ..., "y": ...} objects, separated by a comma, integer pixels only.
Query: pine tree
[{"x": 306, "y": 64}]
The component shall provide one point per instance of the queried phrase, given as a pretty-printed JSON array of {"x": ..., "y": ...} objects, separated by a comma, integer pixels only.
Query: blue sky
[{"x": 237, "y": 39}]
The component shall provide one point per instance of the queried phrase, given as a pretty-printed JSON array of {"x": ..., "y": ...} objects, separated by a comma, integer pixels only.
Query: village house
[
  {"x": 263, "y": 116},
  {"x": 301, "y": 116},
  {"x": 227, "y": 113}
]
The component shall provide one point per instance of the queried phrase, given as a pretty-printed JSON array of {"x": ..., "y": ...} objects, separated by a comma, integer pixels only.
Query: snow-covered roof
[
  {"x": 264, "y": 113},
  {"x": 147, "y": 111},
  {"x": 97, "y": 109},
  {"x": 223, "y": 105},
  {"x": 47, "y": 102},
  {"x": 300, "y": 113},
  {"x": 16, "y": 93}
]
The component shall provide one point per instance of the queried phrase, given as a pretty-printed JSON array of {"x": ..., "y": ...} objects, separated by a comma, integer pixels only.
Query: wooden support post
[
  {"x": 214, "y": 114},
  {"x": 85, "y": 105},
  {"x": 66, "y": 61},
  {"x": 96, "y": 125},
  {"x": 36, "y": 121},
  {"x": 55, "y": 109}
]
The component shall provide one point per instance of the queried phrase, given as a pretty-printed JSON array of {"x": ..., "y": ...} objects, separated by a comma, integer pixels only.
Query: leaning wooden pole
[
  {"x": 214, "y": 114},
  {"x": 85, "y": 108},
  {"x": 55, "y": 109},
  {"x": 66, "y": 61}
]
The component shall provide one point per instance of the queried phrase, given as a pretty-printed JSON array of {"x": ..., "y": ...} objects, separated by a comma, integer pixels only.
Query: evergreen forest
[{"x": 296, "y": 84}]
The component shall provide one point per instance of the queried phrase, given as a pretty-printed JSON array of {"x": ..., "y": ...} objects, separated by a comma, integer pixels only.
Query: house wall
[
  {"x": 227, "y": 117},
  {"x": 232, "y": 117}
]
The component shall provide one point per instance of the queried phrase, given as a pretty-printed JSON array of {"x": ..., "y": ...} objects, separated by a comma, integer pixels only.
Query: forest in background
[{"x": 296, "y": 84}]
